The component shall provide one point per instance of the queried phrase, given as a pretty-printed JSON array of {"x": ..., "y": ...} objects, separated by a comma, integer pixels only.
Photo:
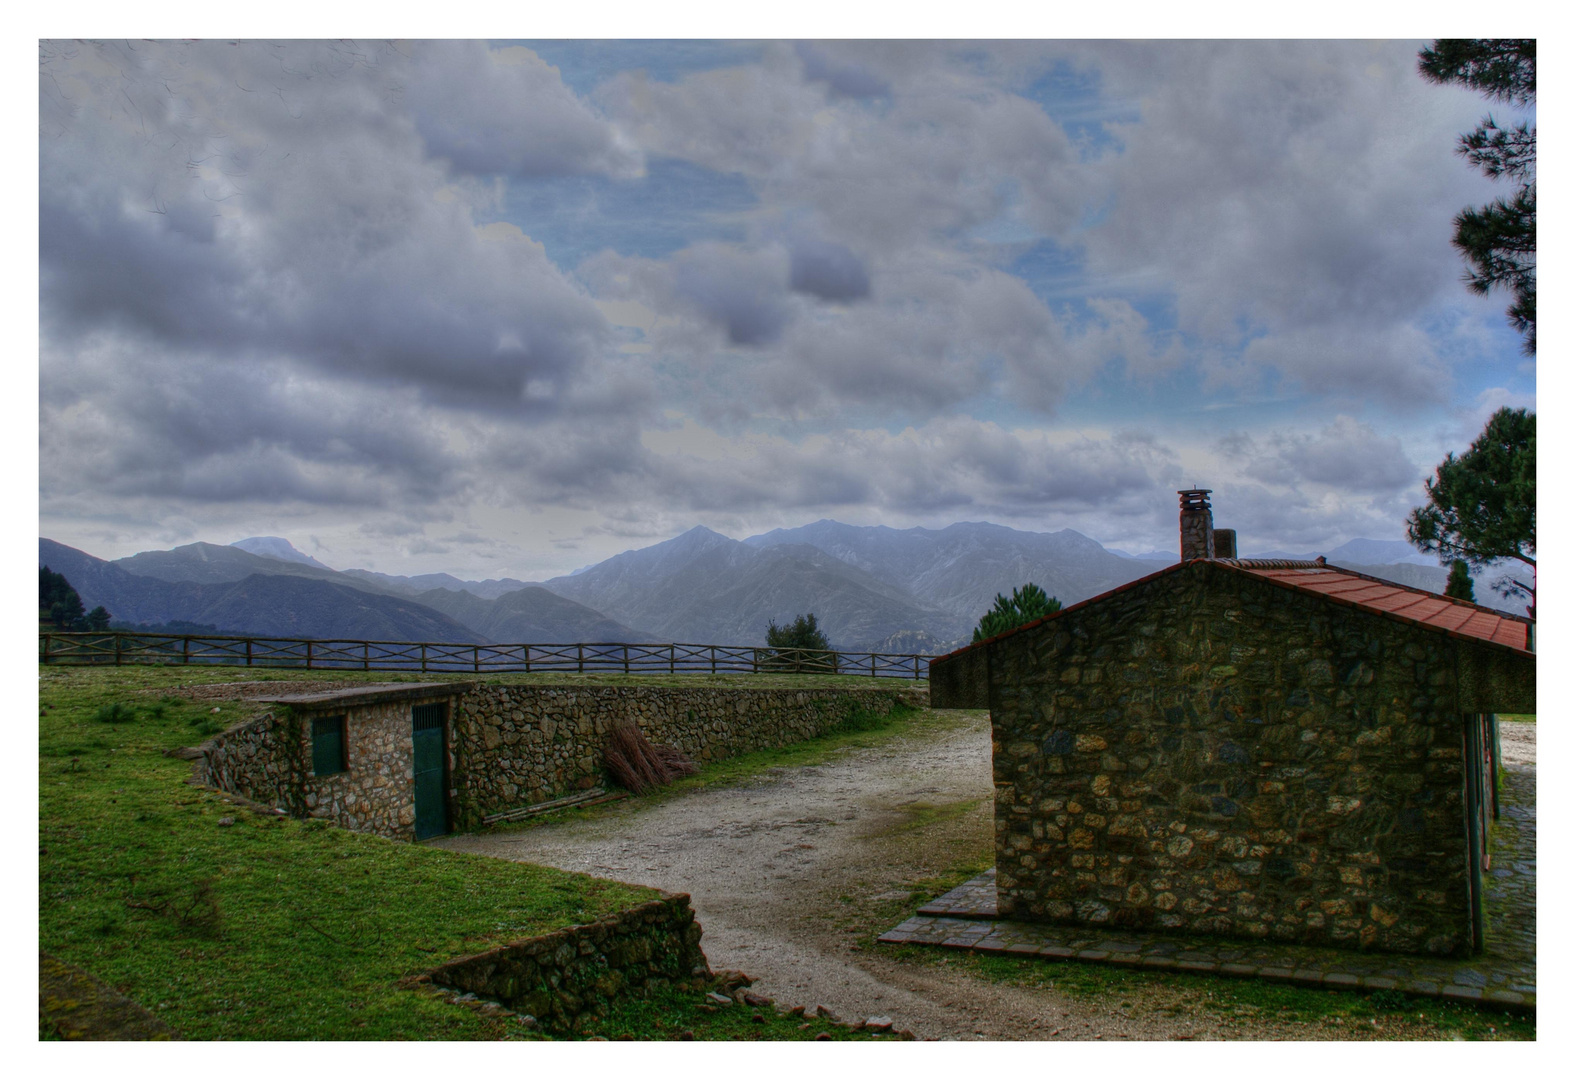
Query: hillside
[
  {"x": 961, "y": 568},
  {"x": 282, "y": 604},
  {"x": 531, "y": 615},
  {"x": 706, "y": 588}
]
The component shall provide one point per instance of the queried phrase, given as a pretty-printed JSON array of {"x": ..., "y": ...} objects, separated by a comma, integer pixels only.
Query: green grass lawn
[{"x": 231, "y": 925}]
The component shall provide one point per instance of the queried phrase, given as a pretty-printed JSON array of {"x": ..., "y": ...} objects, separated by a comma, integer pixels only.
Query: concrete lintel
[{"x": 374, "y": 694}]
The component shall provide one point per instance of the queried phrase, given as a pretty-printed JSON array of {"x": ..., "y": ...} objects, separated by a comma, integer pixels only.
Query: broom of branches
[{"x": 638, "y": 765}]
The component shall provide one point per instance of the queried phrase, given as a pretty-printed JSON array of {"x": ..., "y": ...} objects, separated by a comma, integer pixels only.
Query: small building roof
[
  {"x": 369, "y": 694},
  {"x": 1458, "y": 618},
  {"x": 1389, "y": 598}
]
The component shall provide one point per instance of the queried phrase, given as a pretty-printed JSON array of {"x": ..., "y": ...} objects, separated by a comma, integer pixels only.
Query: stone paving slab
[{"x": 1505, "y": 974}]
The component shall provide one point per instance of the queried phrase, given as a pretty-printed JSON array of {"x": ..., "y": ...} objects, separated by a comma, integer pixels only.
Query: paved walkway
[{"x": 1505, "y": 973}]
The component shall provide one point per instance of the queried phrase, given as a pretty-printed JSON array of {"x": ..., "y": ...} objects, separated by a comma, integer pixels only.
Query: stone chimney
[
  {"x": 1197, "y": 525},
  {"x": 1224, "y": 543}
]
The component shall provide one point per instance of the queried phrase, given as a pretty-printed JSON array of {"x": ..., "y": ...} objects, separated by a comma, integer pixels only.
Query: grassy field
[
  {"x": 231, "y": 925},
  {"x": 271, "y": 928}
]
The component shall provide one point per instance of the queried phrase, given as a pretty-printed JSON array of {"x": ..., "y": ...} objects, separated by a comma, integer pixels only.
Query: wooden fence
[{"x": 126, "y": 647}]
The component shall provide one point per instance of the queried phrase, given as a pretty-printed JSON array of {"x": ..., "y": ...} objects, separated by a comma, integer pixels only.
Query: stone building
[
  {"x": 415, "y": 760},
  {"x": 374, "y": 758},
  {"x": 1259, "y": 749}
]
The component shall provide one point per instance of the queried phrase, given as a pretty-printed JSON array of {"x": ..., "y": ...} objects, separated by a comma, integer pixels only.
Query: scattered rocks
[{"x": 721, "y": 1001}]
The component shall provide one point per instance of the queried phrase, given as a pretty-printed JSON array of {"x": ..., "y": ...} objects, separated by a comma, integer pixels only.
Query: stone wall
[
  {"x": 1207, "y": 752},
  {"x": 269, "y": 760},
  {"x": 376, "y": 792},
  {"x": 516, "y": 745},
  {"x": 509, "y": 746},
  {"x": 261, "y": 760},
  {"x": 568, "y": 974}
]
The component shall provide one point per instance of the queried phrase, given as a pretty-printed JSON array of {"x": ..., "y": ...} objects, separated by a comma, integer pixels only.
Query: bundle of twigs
[{"x": 638, "y": 765}]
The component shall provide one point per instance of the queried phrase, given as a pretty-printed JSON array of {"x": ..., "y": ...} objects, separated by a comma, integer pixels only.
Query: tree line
[{"x": 58, "y": 603}]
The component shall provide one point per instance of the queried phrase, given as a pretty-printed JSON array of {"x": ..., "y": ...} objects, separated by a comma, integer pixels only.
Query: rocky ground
[{"x": 793, "y": 872}]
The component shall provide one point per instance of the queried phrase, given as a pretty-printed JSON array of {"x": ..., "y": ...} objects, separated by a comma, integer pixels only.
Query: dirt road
[{"x": 789, "y": 872}]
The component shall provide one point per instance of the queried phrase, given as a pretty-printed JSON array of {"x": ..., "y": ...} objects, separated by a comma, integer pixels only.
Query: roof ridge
[{"x": 1276, "y": 564}]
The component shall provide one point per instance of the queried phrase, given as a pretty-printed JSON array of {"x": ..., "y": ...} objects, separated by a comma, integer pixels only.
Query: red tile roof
[
  {"x": 1402, "y": 602},
  {"x": 1413, "y": 605}
]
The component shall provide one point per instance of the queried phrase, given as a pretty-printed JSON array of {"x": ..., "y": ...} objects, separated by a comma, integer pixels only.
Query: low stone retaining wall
[
  {"x": 260, "y": 760},
  {"x": 508, "y": 746},
  {"x": 565, "y": 977},
  {"x": 518, "y": 745}
]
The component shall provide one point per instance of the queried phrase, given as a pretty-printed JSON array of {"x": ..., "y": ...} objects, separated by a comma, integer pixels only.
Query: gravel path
[
  {"x": 1518, "y": 741},
  {"x": 789, "y": 871}
]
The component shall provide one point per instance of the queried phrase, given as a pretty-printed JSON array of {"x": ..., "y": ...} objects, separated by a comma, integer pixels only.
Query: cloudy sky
[{"x": 510, "y": 307}]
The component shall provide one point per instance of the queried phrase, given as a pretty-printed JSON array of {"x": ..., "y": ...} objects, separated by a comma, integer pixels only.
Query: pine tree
[
  {"x": 1460, "y": 586},
  {"x": 1025, "y": 605},
  {"x": 1499, "y": 240},
  {"x": 1482, "y": 506},
  {"x": 59, "y": 603}
]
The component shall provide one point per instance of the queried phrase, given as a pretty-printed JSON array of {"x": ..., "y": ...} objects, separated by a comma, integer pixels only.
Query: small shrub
[
  {"x": 799, "y": 646},
  {"x": 1390, "y": 1000},
  {"x": 116, "y": 712}
]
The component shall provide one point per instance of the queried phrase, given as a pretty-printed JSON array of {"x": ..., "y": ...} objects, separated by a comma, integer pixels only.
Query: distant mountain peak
[{"x": 277, "y": 547}]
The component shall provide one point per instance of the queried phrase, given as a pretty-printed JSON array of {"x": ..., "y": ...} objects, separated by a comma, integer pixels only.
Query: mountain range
[{"x": 870, "y": 587}]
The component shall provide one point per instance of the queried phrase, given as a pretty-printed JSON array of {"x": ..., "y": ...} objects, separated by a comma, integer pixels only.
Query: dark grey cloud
[
  {"x": 248, "y": 197},
  {"x": 135, "y": 423},
  {"x": 1294, "y": 193},
  {"x": 829, "y": 271},
  {"x": 505, "y": 110},
  {"x": 1347, "y": 455},
  {"x": 741, "y": 291},
  {"x": 846, "y": 78}
]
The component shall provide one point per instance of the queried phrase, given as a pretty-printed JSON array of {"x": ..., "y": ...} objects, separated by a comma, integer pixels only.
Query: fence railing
[{"x": 128, "y": 647}]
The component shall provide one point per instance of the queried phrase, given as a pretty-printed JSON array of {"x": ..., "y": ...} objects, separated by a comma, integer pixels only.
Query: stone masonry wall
[
  {"x": 260, "y": 760},
  {"x": 568, "y": 974},
  {"x": 509, "y": 745},
  {"x": 377, "y": 792},
  {"x": 269, "y": 761},
  {"x": 1209, "y": 753},
  {"x": 517, "y": 745}
]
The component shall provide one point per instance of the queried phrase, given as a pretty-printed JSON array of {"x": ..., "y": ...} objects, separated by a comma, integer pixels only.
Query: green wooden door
[{"x": 428, "y": 725}]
